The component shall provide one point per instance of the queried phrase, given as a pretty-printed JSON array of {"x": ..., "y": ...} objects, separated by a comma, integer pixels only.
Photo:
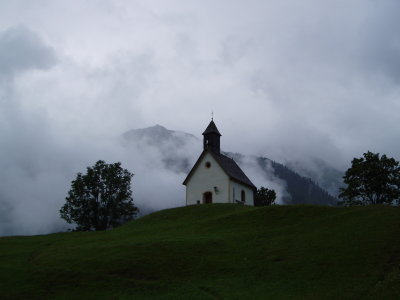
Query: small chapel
[{"x": 216, "y": 178}]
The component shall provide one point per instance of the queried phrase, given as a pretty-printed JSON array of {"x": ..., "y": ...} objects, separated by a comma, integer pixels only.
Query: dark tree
[
  {"x": 264, "y": 197},
  {"x": 100, "y": 199},
  {"x": 371, "y": 180}
]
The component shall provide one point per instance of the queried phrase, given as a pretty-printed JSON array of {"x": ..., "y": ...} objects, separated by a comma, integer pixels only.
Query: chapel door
[{"x": 207, "y": 197}]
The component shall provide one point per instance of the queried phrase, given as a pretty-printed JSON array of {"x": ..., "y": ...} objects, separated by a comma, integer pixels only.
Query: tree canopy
[
  {"x": 100, "y": 199},
  {"x": 264, "y": 197},
  {"x": 371, "y": 179}
]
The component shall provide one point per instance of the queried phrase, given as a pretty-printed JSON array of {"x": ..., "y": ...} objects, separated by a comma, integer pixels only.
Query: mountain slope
[
  {"x": 301, "y": 190},
  {"x": 167, "y": 142},
  {"x": 215, "y": 252},
  {"x": 328, "y": 177}
]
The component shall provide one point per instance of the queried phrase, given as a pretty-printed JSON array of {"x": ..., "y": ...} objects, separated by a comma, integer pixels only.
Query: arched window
[{"x": 243, "y": 196}]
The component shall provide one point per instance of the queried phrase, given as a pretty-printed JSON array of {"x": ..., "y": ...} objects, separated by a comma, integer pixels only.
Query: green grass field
[{"x": 215, "y": 252}]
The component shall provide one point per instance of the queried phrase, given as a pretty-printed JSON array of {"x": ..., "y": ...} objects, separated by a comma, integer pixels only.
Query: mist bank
[{"x": 34, "y": 188}]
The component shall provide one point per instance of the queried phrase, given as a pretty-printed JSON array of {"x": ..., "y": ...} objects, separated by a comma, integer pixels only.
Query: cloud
[
  {"x": 24, "y": 135},
  {"x": 382, "y": 45},
  {"x": 22, "y": 49}
]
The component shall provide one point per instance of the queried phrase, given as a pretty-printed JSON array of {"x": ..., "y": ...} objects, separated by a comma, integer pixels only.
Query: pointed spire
[{"x": 211, "y": 128}]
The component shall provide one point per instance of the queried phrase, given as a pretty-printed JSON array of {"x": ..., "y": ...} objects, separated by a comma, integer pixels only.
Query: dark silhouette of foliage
[
  {"x": 100, "y": 199},
  {"x": 371, "y": 180},
  {"x": 264, "y": 197}
]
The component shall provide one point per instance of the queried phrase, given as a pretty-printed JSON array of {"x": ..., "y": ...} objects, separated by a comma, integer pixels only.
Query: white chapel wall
[
  {"x": 236, "y": 193},
  {"x": 205, "y": 179}
]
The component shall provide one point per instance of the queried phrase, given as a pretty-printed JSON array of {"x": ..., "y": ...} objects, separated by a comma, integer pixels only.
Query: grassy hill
[{"x": 215, "y": 252}]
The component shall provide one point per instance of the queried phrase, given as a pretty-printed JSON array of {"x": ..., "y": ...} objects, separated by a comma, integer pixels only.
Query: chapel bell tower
[{"x": 211, "y": 140}]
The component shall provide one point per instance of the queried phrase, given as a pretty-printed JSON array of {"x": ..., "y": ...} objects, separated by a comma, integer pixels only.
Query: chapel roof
[
  {"x": 228, "y": 165},
  {"x": 232, "y": 169},
  {"x": 211, "y": 128}
]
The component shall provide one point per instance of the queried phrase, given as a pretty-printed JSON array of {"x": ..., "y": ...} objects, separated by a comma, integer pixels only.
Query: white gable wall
[
  {"x": 205, "y": 179},
  {"x": 236, "y": 193}
]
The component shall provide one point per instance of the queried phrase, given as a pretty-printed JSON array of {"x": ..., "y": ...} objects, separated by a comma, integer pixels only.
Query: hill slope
[{"x": 215, "y": 252}]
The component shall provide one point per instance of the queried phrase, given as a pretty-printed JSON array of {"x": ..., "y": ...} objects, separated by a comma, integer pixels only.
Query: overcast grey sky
[{"x": 290, "y": 80}]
